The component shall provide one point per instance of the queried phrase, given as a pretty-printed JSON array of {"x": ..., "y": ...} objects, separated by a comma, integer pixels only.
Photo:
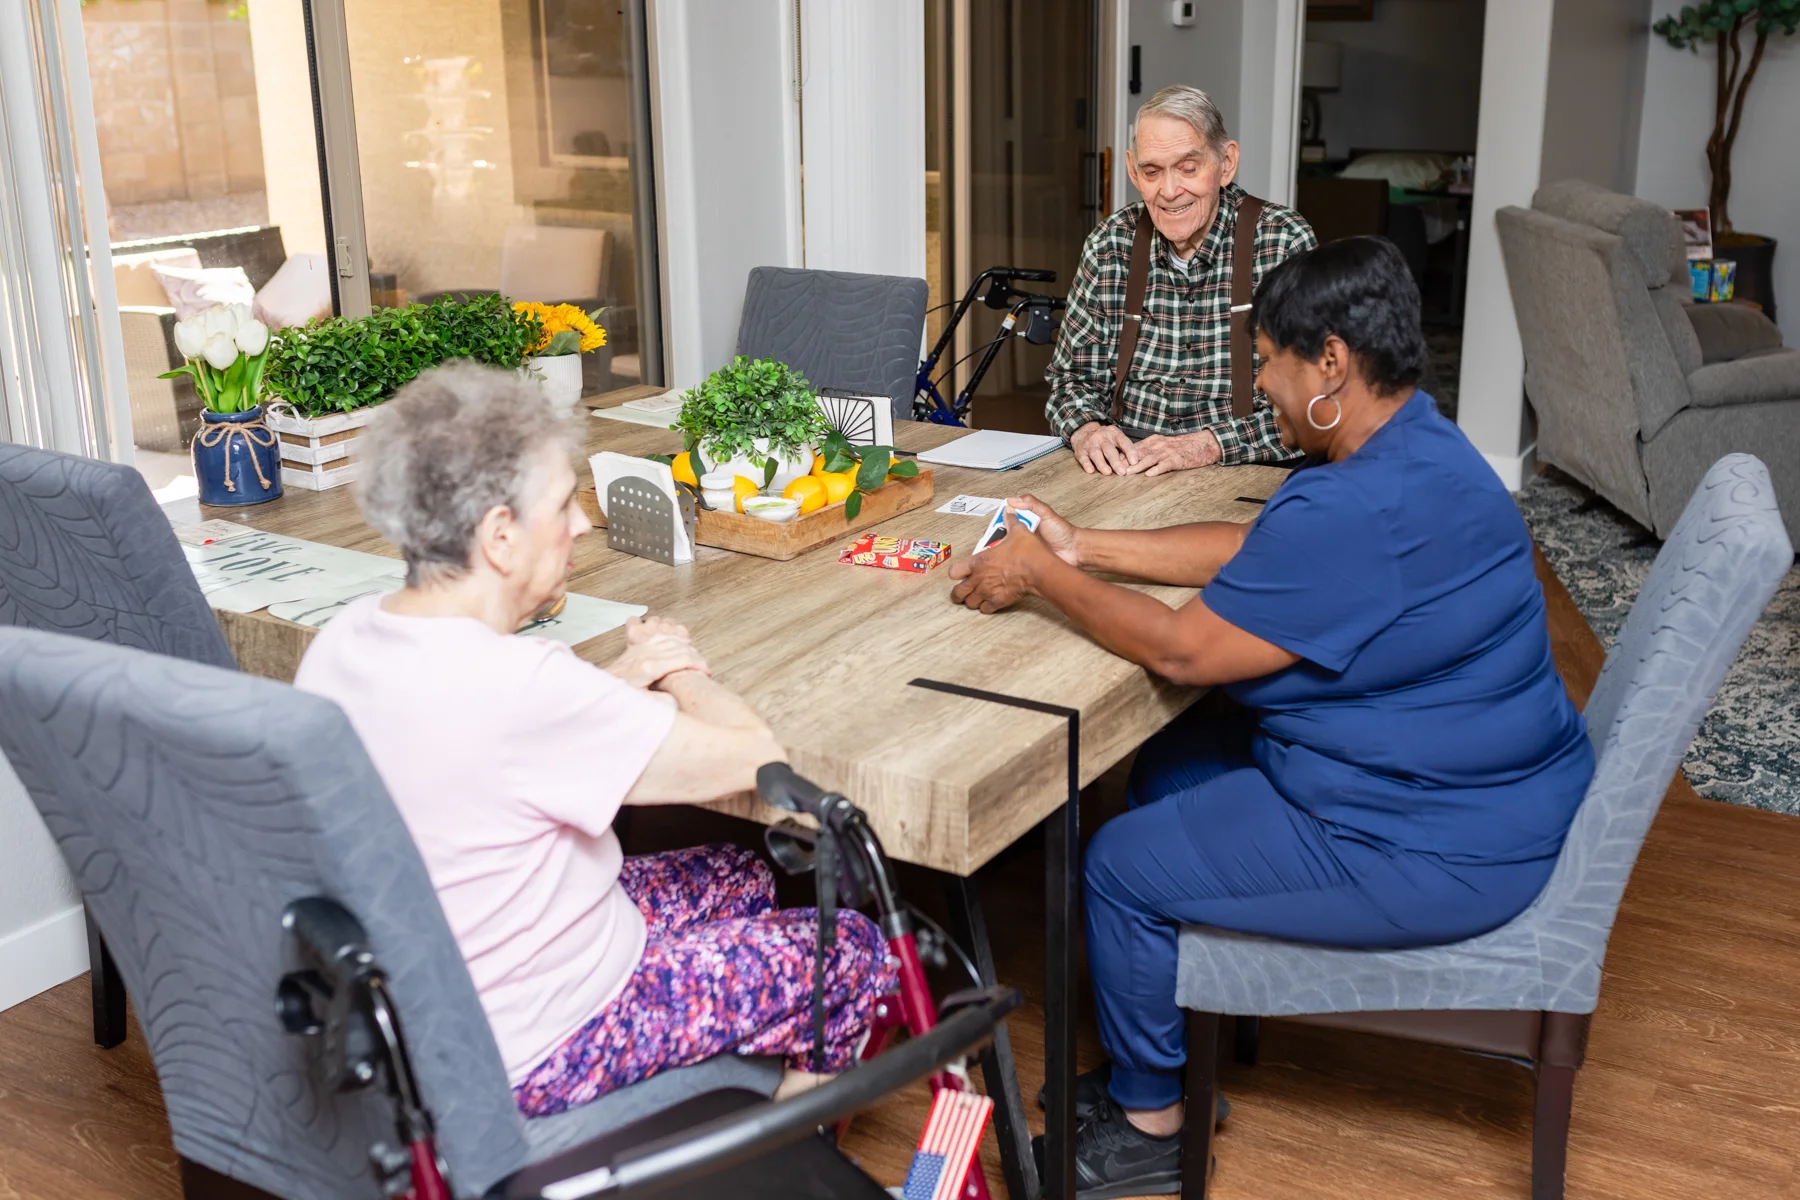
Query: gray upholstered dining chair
[
  {"x": 85, "y": 550},
  {"x": 193, "y": 805},
  {"x": 1526, "y": 991},
  {"x": 852, "y": 332}
]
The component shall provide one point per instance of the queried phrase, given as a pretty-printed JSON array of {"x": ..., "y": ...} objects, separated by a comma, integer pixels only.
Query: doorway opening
[
  {"x": 1390, "y": 95},
  {"x": 1012, "y": 175}
]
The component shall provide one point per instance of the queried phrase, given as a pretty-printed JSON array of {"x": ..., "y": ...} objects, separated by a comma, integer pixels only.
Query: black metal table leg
[
  {"x": 107, "y": 989},
  {"x": 1062, "y": 854},
  {"x": 969, "y": 928}
]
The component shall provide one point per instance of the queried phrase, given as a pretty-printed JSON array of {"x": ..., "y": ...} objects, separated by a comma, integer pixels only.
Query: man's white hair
[{"x": 1188, "y": 104}]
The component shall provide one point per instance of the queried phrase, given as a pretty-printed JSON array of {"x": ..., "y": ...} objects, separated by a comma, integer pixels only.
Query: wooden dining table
[{"x": 957, "y": 732}]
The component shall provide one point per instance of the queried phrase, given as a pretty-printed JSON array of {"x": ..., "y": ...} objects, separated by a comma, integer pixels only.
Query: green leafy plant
[
  {"x": 1723, "y": 22},
  {"x": 747, "y": 400},
  {"x": 872, "y": 464},
  {"x": 341, "y": 364}
]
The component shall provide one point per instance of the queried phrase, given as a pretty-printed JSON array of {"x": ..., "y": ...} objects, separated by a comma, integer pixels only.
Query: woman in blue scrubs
[{"x": 1402, "y": 761}]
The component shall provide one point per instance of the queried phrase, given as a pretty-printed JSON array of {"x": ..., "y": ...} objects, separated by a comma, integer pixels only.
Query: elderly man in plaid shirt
[{"x": 1177, "y": 403}]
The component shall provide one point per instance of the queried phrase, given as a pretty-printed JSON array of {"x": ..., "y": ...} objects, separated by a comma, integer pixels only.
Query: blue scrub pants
[{"x": 1207, "y": 840}]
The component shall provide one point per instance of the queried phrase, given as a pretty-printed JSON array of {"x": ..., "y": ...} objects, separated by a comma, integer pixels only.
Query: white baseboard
[
  {"x": 38, "y": 957},
  {"x": 1514, "y": 469}
]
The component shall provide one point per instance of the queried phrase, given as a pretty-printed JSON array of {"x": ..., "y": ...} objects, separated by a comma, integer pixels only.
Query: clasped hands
[
  {"x": 1013, "y": 567},
  {"x": 1105, "y": 449},
  {"x": 656, "y": 648}
]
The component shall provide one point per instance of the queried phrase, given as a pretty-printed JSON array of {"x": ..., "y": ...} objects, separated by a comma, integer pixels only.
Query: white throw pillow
[
  {"x": 295, "y": 294},
  {"x": 1402, "y": 169},
  {"x": 193, "y": 290},
  {"x": 136, "y": 283}
]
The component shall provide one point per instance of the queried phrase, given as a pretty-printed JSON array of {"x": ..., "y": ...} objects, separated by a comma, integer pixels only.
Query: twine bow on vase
[{"x": 254, "y": 433}]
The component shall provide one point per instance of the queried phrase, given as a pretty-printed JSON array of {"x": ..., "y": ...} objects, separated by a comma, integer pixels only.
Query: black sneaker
[
  {"x": 1114, "y": 1158},
  {"x": 1090, "y": 1093}
]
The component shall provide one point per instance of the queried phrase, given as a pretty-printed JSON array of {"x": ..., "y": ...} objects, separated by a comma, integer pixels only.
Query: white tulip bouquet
[{"x": 226, "y": 349}]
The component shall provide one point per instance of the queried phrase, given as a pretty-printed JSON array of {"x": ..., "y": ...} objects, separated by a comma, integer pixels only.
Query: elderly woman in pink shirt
[{"x": 508, "y": 757}]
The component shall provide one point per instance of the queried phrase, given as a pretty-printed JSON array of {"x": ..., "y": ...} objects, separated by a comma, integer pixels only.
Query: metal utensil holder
[{"x": 640, "y": 518}]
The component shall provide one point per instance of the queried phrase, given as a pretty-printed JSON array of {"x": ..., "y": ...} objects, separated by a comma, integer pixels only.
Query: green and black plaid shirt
[{"x": 1180, "y": 377}]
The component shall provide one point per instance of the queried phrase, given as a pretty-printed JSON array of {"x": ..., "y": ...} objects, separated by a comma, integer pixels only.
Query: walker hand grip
[{"x": 785, "y": 788}]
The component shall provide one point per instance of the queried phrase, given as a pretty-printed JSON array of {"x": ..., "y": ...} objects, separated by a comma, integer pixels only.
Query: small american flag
[{"x": 947, "y": 1147}]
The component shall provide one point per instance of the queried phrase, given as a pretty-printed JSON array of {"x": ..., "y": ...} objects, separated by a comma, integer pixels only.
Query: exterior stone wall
[{"x": 174, "y": 99}]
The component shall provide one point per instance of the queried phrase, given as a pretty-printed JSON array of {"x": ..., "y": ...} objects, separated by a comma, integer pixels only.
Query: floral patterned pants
[{"x": 723, "y": 971}]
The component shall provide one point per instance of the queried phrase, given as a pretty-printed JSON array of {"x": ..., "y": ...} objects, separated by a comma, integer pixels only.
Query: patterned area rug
[{"x": 1748, "y": 748}]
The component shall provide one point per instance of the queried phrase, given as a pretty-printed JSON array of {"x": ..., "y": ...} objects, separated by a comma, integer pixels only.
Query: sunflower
[{"x": 566, "y": 329}]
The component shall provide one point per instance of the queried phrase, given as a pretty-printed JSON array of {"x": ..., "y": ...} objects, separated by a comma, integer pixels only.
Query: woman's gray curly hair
[{"x": 455, "y": 442}]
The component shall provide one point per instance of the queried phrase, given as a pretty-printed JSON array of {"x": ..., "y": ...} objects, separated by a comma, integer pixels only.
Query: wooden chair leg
[
  {"x": 1550, "y": 1130},
  {"x": 1248, "y": 1044},
  {"x": 1202, "y": 1101},
  {"x": 107, "y": 989}
]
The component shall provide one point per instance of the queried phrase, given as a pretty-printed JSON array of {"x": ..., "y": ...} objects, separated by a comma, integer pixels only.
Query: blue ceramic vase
[{"x": 237, "y": 459}]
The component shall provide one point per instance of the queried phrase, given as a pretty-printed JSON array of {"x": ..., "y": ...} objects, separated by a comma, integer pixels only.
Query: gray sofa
[{"x": 1638, "y": 390}]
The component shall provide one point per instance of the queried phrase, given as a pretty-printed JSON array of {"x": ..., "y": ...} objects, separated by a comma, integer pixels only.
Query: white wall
[
  {"x": 284, "y": 111},
  {"x": 1596, "y": 96},
  {"x": 1765, "y": 164},
  {"x": 1412, "y": 77},
  {"x": 1245, "y": 55},
  {"x": 864, "y": 136},
  {"x": 728, "y": 177},
  {"x": 43, "y": 938},
  {"x": 1509, "y": 151}
]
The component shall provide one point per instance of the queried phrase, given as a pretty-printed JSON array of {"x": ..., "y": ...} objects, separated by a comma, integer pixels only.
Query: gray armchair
[
  {"x": 1637, "y": 390},
  {"x": 1525, "y": 991},
  {"x": 193, "y": 805}
]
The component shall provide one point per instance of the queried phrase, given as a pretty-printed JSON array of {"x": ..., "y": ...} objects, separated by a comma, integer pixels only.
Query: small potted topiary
[{"x": 757, "y": 419}]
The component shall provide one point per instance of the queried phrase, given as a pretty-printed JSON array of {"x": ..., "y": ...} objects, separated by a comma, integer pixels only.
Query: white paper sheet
[
  {"x": 637, "y": 416},
  {"x": 248, "y": 573},
  {"x": 584, "y": 617}
]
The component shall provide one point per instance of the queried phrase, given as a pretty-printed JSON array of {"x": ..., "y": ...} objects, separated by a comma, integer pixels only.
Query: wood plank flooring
[{"x": 1691, "y": 1089}]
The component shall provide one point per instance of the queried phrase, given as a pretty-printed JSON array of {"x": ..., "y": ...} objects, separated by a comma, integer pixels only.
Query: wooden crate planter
[
  {"x": 318, "y": 452},
  {"x": 766, "y": 539}
]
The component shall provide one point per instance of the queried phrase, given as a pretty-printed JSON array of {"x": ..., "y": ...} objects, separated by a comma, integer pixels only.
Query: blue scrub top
[{"x": 1426, "y": 712}]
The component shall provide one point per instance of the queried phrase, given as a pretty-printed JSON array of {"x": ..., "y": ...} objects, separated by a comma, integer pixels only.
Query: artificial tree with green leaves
[{"x": 1723, "y": 22}]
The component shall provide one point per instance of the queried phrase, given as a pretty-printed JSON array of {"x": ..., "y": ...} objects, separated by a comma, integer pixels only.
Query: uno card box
[{"x": 896, "y": 554}]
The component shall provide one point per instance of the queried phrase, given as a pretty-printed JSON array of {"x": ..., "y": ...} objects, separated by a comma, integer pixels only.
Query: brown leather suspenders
[{"x": 1243, "y": 260}]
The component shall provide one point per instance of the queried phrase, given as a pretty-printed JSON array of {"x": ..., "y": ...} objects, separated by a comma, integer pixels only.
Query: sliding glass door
[{"x": 495, "y": 145}]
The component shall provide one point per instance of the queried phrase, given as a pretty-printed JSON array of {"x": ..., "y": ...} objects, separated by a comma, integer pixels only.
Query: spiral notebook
[{"x": 992, "y": 450}]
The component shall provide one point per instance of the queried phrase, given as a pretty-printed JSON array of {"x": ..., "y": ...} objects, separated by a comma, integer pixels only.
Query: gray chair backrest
[
  {"x": 193, "y": 805},
  {"x": 84, "y": 550},
  {"x": 1713, "y": 578},
  {"x": 857, "y": 333}
]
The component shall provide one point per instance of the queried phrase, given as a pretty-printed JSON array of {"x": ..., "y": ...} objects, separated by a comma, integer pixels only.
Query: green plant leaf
[
  {"x": 769, "y": 472},
  {"x": 852, "y": 505},
  {"x": 873, "y": 470},
  {"x": 566, "y": 342},
  {"x": 906, "y": 468}
]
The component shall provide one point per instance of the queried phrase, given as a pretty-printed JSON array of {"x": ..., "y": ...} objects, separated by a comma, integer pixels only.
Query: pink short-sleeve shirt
[{"x": 507, "y": 758}]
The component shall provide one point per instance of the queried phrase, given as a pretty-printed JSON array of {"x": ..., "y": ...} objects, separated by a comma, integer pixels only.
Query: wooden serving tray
[{"x": 766, "y": 539}]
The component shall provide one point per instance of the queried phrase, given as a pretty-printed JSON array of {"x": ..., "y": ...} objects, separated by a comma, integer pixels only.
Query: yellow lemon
[
  {"x": 683, "y": 469},
  {"x": 810, "y": 492},
  {"x": 818, "y": 467},
  {"x": 838, "y": 484},
  {"x": 740, "y": 488}
]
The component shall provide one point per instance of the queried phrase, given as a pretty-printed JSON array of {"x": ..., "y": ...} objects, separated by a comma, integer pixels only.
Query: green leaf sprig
[
  {"x": 872, "y": 464},
  {"x": 341, "y": 364}
]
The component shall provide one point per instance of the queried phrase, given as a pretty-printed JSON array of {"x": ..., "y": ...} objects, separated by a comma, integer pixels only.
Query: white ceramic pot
[
  {"x": 560, "y": 377},
  {"x": 786, "y": 469}
]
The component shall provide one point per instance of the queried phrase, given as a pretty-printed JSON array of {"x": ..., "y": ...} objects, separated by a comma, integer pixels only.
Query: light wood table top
[{"x": 825, "y": 651}]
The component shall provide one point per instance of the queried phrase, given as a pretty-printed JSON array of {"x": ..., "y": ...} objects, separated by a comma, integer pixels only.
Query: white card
[
  {"x": 996, "y": 529},
  {"x": 973, "y": 506}
]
